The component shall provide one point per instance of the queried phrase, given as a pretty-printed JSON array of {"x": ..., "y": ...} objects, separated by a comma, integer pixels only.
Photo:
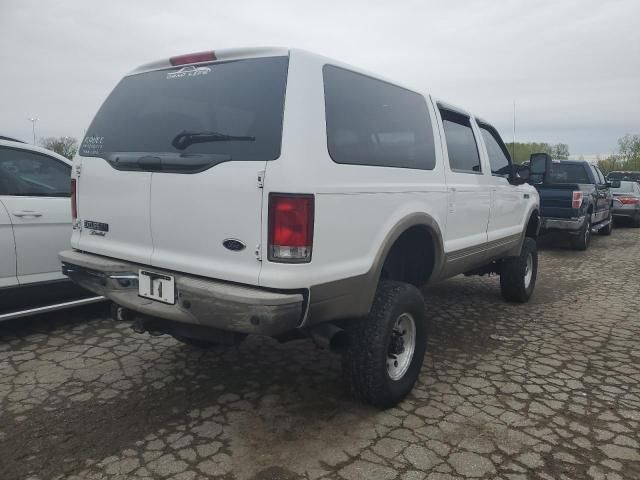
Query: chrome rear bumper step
[{"x": 50, "y": 308}]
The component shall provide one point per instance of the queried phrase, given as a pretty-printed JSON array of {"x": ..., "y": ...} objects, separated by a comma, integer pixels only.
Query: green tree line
[
  {"x": 521, "y": 152},
  {"x": 626, "y": 158}
]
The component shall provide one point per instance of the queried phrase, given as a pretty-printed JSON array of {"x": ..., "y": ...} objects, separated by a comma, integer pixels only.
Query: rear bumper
[
  {"x": 626, "y": 211},
  {"x": 204, "y": 302},
  {"x": 571, "y": 224}
]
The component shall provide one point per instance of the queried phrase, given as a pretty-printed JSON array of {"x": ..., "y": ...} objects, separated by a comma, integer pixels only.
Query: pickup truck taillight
[
  {"x": 629, "y": 200},
  {"x": 74, "y": 199},
  {"x": 576, "y": 200},
  {"x": 290, "y": 227}
]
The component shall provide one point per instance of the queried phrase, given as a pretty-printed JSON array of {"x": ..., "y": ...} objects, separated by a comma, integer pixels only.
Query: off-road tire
[
  {"x": 513, "y": 279},
  {"x": 582, "y": 239},
  {"x": 606, "y": 231},
  {"x": 364, "y": 362}
]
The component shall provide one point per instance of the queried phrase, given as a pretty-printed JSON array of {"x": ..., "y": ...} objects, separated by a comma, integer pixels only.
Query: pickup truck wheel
[
  {"x": 386, "y": 349},
  {"x": 518, "y": 274},
  {"x": 582, "y": 240},
  {"x": 609, "y": 228}
]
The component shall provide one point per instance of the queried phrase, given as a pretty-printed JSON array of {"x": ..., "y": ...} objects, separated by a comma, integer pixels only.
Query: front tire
[
  {"x": 518, "y": 274},
  {"x": 582, "y": 240},
  {"x": 386, "y": 349}
]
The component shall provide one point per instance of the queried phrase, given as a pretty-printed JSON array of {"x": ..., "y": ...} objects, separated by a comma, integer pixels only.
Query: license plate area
[{"x": 157, "y": 286}]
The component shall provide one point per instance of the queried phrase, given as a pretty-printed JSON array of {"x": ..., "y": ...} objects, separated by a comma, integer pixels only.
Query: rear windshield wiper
[{"x": 188, "y": 137}]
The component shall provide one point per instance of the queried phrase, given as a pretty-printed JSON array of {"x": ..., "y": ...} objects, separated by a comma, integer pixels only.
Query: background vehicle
[
  {"x": 576, "y": 198},
  {"x": 626, "y": 201},
  {"x": 35, "y": 221},
  {"x": 624, "y": 175},
  {"x": 210, "y": 207}
]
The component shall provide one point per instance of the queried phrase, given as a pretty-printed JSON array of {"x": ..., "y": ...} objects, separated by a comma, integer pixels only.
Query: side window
[
  {"x": 371, "y": 122},
  {"x": 461, "y": 143},
  {"x": 596, "y": 175},
  {"x": 24, "y": 173},
  {"x": 601, "y": 178},
  {"x": 498, "y": 155}
]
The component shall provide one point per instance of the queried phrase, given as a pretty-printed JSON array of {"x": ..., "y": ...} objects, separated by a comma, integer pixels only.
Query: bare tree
[{"x": 65, "y": 146}]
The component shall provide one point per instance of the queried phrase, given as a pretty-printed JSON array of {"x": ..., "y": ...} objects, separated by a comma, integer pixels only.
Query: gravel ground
[{"x": 550, "y": 389}]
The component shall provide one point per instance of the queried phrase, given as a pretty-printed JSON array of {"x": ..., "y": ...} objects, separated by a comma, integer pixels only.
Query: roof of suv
[
  {"x": 226, "y": 54},
  {"x": 34, "y": 148}
]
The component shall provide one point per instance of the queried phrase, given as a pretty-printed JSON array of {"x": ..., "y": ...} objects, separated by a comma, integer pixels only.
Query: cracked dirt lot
[{"x": 546, "y": 390}]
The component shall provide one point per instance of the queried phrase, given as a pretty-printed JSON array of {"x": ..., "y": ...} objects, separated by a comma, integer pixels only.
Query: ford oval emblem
[{"x": 234, "y": 244}]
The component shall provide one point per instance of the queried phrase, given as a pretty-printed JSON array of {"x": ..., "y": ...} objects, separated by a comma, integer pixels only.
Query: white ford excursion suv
[{"x": 277, "y": 192}]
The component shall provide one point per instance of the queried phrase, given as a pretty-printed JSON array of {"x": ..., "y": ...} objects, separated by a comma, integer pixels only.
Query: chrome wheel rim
[
  {"x": 528, "y": 271},
  {"x": 402, "y": 345}
]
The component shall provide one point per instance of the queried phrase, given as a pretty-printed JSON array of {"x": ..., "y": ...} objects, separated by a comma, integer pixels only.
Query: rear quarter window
[{"x": 371, "y": 122}]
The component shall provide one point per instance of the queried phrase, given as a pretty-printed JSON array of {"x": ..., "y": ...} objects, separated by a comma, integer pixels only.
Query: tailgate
[
  {"x": 555, "y": 200},
  {"x": 176, "y": 154}
]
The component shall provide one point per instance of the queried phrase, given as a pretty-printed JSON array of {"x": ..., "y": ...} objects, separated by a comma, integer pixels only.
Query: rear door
[
  {"x": 182, "y": 150},
  {"x": 468, "y": 190},
  {"x": 7, "y": 246},
  {"x": 36, "y": 198},
  {"x": 604, "y": 195}
]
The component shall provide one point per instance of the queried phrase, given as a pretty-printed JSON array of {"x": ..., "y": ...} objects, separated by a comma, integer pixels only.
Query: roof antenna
[{"x": 513, "y": 145}]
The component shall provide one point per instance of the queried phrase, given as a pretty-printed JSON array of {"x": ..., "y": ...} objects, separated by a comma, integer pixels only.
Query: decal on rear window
[
  {"x": 188, "y": 71},
  {"x": 92, "y": 145}
]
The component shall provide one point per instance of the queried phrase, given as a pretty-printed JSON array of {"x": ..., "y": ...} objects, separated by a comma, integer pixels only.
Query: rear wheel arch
[{"x": 417, "y": 235}]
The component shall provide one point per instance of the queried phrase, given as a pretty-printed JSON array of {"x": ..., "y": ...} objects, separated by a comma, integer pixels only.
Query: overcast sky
[{"x": 571, "y": 66}]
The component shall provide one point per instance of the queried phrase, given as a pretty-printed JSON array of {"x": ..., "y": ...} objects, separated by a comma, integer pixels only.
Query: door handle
[{"x": 27, "y": 213}]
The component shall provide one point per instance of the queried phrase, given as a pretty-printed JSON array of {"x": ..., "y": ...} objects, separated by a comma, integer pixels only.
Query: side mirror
[
  {"x": 540, "y": 165},
  {"x": 524, "y": 172},
  {"x": 613, "y": 184}
]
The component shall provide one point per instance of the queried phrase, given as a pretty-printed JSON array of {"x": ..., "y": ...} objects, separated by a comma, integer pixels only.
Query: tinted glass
[
  {"x": 599, "y": 175},
  {"x": 370, "y": 122},
  {"x": 635, "y": 176},
  {"x": 26, "y": 173},
  {"x": 569, "y": 173},
  {"x": 241, "y": 98},
  {"x": 497, "y": 152},
  {"x": 626, "y": 187},
  {"x": 461, "y": 143}
]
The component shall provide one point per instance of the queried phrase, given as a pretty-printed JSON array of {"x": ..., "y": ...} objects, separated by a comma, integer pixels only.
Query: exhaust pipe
[{"x": 330, "y": 337}]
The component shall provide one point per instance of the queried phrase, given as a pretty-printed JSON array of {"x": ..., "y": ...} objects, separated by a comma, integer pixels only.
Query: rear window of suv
[
  {"x": 371, "y": 122},
  {"x": 242, "y": 98}
]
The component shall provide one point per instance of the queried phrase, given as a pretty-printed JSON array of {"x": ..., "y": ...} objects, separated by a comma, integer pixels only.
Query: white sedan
[{"x": 35, "y": 224}]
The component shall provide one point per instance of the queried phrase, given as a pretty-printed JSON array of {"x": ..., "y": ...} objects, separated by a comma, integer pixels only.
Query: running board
[
  {"x": 600, "y": 226},
  {"x": 50, "y": 308}
]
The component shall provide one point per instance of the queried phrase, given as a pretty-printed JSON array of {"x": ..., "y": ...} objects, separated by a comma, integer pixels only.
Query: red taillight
[
  {"x": 629, "y": 200},
  {"x": 290, "y": 227},
  {"x": 74, "y": 199},
  {"x": 576, "y": 199},
  {"x": 193, "y": 58}
]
